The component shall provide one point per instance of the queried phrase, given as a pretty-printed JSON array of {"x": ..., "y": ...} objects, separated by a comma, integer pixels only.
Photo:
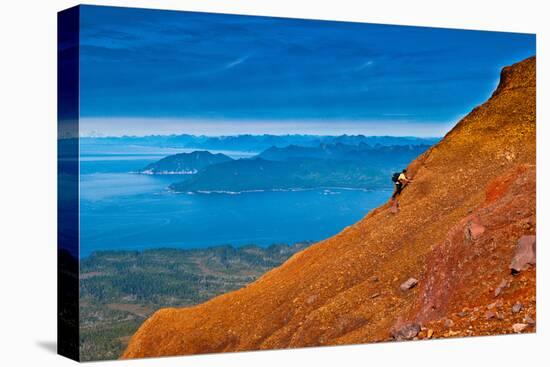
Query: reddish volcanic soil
[{"x": 456, "y": 233}]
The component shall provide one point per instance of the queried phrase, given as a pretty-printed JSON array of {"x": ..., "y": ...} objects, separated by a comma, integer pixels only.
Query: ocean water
[{"x": 127, "y": 211}]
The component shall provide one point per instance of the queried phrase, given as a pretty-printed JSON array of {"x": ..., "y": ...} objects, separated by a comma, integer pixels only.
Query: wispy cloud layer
[
  {"x": 179, "y": 66},
  {"x": 236, "y": 62}
]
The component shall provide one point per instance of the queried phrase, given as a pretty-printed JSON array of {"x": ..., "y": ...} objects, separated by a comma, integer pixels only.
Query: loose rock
[
  {"x": 408, "y": 284},
  {"x": 462, "y": 314},
  {"x": 405, "y": 332},
  {"x": 503, "y": 285},
  {"x": 525, "y": 254},
  {"x": 449, "y": 323},
  {"x": 517, "y": 307},
  {"x": 518, "y": 328},
  {"x": 474, "y": 230}
]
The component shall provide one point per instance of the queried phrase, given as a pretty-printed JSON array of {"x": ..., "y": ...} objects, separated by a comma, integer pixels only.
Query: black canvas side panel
[{"x": 67, "y": 182}]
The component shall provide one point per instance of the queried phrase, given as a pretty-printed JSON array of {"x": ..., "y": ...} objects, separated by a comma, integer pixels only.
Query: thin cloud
[
  {"x": 215, "y": 66},
  {"x": 236, "y": 62},
  {"x": 364, "y": 65}
]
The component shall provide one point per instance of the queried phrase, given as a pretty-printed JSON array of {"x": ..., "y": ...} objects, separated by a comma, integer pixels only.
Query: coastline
[{"x": 295, "y": 189}]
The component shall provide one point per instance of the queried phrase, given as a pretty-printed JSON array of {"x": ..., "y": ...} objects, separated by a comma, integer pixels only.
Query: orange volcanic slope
[{"x": 472, "y": 197}]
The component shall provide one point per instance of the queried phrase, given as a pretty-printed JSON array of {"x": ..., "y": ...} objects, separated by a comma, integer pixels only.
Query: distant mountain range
[
  {"x": 379, "y": 155},
  {"x": 248, "y": 143},
  {"x": 292, "y": 167}
]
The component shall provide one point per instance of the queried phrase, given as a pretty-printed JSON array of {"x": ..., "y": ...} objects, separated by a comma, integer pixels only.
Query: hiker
[{"x": 400, "y": 180}]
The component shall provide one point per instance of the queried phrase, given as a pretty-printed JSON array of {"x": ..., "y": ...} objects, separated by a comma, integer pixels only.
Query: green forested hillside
[
  {"x": 296, "y": 167},
  {"x": 119, "y": 289}
]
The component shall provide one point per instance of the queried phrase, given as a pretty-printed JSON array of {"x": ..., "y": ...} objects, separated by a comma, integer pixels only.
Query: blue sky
[{"x": 160, "y": 72}]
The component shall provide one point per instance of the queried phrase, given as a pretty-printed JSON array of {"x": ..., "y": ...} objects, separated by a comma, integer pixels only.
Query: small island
[{"x": 184, "y": 163}]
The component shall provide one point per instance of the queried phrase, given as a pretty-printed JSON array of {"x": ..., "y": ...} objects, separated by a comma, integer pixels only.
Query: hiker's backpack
[{"x": 395, "y": 177}]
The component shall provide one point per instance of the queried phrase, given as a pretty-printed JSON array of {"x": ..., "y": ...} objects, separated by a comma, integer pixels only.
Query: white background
[{"x": 28, "y": 181}]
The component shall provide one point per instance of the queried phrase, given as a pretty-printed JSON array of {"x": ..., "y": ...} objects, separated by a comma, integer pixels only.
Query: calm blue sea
[{"x": 123, "y": 210}]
